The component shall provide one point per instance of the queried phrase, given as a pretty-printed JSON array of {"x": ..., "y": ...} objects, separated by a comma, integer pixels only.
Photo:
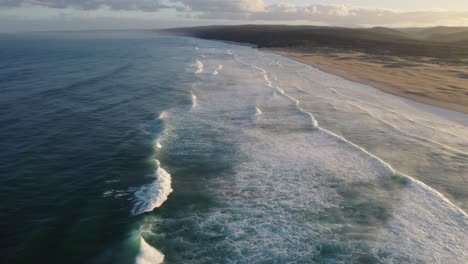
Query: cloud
[
  {"x": 344, "y": 15},
  {"x": 259, "y": 10},
  {"x": 226, "y": 6},
  {"x": 130, "y": 5}
]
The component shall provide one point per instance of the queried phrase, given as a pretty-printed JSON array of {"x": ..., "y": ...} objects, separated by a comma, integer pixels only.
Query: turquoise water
[{"x": 130, "y": 147}]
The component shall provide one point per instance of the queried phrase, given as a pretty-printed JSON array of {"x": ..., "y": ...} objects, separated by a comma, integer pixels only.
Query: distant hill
[
  {"x": 388, "y": 31},
  {"x": 438, "y": 34},
  {"x": 452, "y": 37},
  {"x": 379, "y": 40}
]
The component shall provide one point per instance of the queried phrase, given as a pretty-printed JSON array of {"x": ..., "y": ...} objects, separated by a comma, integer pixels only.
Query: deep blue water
[{"x": 78, "y": 115}]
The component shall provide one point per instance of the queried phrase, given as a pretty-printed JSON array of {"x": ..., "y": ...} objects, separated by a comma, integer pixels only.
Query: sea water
[{"x": 132, "y": 147}]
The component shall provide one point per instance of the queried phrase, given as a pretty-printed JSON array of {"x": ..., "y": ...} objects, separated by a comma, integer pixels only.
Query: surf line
[
  {"x": 258, "y": 111},
  {"x": 148, "y": 254},
  {"x": 153, "y": 195},
  {"x": 161, "y": 118},
  {"x": 395, "y": 112},
  {"x": 194, "y": 100},
  {"x": 218, "y": 69},
  {"x": 282, "y": 92},
  {"x": 343, "y": 139},
  {"x": 200, "y": 67},
  {"x": 332, "y": 88},
  {"x": 407, "y": 133}
]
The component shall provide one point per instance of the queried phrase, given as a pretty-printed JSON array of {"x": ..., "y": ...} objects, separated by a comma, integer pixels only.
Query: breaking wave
[
  {"x": 148, "y": 254},
  {"x": 218, "y": 69},
  {"x": 200, "y": 67},
  {"x": 194, "y": 100},
  {"x": 346, "y": 198},
  {"x": 153, "y": 195},
  {"x": 258, "y": 111},
  {"x": 343, "y": 139}
]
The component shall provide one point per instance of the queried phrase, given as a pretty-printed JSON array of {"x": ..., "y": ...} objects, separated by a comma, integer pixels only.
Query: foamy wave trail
[
  {"x": 157, "y": 143},
  {"x": 194, "y": 100},
  {"x": 299, "y": 108},
  {"x": 148, "y": 254},
  {"x": 418, "y": 138},
  {"x": 406, "y": 117},
  {"x": 162, "y": 115},
  {"x": 258, "y": 111},
  {"x": 200, "y": 67},
  {"x": 384, "y": 165},
  {"x": 314, "y": 121},
  {"x": 153, "y": 195},
  {"x": 218, "y": 69}
]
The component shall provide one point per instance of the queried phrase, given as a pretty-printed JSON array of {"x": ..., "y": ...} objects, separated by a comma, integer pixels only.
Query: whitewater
[
  {"x": 273, "y": 161},
  {"x": 134, "y": 147}
]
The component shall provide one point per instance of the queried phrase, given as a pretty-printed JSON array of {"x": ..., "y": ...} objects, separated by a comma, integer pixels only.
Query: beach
[
  {"x": 424, "y": 80},
  {"x": 171, "y": 149}
]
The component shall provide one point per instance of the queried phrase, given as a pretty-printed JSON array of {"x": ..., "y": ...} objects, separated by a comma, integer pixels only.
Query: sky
[{"x": 38, "y": 15}]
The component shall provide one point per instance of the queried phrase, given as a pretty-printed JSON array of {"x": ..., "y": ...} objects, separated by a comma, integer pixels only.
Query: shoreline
[
  {"x": 410, "y": 80},
  {"x": 451, "y": 114}
]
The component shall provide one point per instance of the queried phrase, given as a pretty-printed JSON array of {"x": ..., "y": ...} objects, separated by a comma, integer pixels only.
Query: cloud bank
[
  {"x": 130, "y": 5},
  {"x": 223, "y": 7},
  {"x": 259, "y": 10}
]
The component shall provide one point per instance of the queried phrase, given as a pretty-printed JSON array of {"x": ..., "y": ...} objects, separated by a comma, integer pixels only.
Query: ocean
[{"x": 135, "y": 147}]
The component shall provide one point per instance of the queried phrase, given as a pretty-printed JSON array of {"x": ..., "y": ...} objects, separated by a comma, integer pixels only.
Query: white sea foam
[
  {"x": 218, "y": 69},
  {"x": 258, "y": 111},
  {"x": 158, "y": 144},
  {"x": 280, "y": 89},
  {"x": 298, "y": 106},
  {"x": 394, "y": 126},
  {"x": 108, "y": 193},
  {"x": 379, "y": 160},
  {"x": 194, "y": 100},
  {"x": 153, "y": 195},
  {"x": 148, "y": 254},
  {"x": 270, "y": 84},
  {"x": 200, "y": 67},
  {"x": 408, "y": 133},
  {"x": 413, "y": 120},
  {"x": 162, "y": 115},
  {"x": 289, "y": 182}
]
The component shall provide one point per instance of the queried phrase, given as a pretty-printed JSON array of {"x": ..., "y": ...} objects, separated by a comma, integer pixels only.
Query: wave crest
[
  {"x": 148, "y": 254},
  {"x": 200, "y": 67},
  {"x": 153, "y": 195},
  {"x": 218, "y": 69}
]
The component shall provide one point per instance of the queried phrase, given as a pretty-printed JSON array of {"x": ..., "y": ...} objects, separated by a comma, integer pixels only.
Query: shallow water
[{"x": 132, "y": 147}]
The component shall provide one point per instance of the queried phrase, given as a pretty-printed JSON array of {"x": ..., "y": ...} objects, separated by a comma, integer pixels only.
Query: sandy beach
[{"x": 425, "y": 80}]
